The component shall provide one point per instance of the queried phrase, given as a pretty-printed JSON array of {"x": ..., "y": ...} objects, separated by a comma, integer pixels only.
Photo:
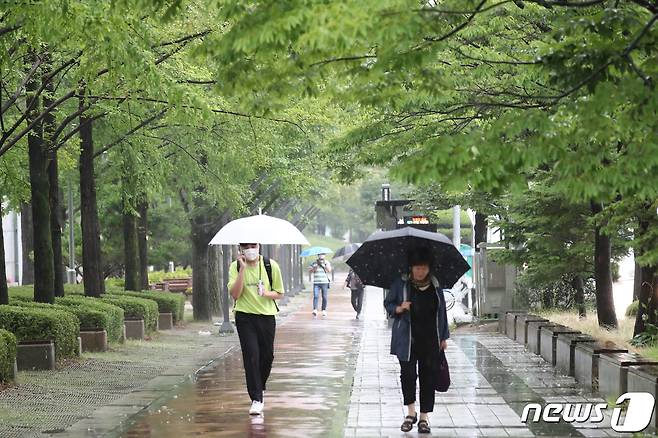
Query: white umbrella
[{"x": 263, "y": 229}]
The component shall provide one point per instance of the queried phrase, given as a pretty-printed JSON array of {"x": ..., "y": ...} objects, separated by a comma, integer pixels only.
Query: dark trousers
[
  {"x": 408, "y": 377},
  {"x": 256, "y": 333},
  {"x": 357, "y": 299}
]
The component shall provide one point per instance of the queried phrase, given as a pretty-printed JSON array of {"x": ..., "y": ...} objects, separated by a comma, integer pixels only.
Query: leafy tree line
[
  {"x": 114, "y": 99},
  {"x": 550, "y": 100}
]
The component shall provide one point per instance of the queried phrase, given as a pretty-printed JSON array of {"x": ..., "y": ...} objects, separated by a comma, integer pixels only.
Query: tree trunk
[
  {"x": 480, "y": 228},
  {"x": 93, "y": 277},
  {"x": 579, "y": 287},
  {"x": 200, "y": 292},
  {"x": 56, "y": 212},
  {"x": 44, "y": 269},
  {"x": 130, "y": 251},
  {"x": 4, "y": 292},
  {"x": 605, "y": 305},
  {"x": 56, "y": 226},
  {"x": 547, "y": 299},
  {"x": 27, "y": 245},
  {"x": 637, "y": 279},
  {"x": 214, "y": 279},
  {"x": 647, "y": 291},
  {"x": 142, "y": 242}
]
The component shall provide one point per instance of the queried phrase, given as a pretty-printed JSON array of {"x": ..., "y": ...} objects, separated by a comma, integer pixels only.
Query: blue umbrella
[{"x": 315, "y": 250}]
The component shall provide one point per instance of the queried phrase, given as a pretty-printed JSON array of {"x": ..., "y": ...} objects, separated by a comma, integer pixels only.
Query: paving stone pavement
[{"x": 492, "y": 379}]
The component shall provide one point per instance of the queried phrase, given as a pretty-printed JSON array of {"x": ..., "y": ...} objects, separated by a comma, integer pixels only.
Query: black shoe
[
  {"x": 424, "y": 427},
  {"x": 408, "y": 423}
]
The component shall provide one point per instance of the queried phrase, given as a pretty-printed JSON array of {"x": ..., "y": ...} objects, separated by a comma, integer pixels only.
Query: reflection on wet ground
[
  {"x": 334, "y": 377},
  {"x": 306, "y": 393}
]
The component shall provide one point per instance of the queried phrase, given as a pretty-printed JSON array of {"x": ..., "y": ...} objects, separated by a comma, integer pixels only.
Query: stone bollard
[
  {"x": 94, "y": 340},
  {"x": 522, "y": 327},
  {"x": 613, "y": 372},
  {"x": 165, "y": 321},
  {"x": 134, "y": 328},
  {"x": 565, "y": 351},
  {"x": 548, "y": 345},
  {"x": 502, "y": 320},
  {"x": 35, "y": 355}
]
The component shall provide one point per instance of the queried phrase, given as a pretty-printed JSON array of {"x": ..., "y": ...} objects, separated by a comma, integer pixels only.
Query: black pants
[
  {"x": 256, "y": 333},
  {"x": 408, "y": 377},
  {"x": 357, "y": 299}
]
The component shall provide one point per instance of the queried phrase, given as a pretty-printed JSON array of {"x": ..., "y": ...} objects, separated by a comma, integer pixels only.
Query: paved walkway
[{"x": 334, "y": 377}]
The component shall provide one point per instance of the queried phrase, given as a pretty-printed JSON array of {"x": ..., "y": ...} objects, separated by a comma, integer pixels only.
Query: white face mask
[
  {"x": 251, "y": 254},
  {"x": 321, "y": 256}
]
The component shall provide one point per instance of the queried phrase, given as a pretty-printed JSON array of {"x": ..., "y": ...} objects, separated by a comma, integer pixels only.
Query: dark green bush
[
  {"x": 136, "y": 308},
  {"x": 113, "y": 313},
  {"x": 25, "y": 293},
  {"x": 168, "y": 302},
  {"x": 7, "y": 355},
  {"x": 90, "y": 318},
  {"x": 35, "y": 324}
]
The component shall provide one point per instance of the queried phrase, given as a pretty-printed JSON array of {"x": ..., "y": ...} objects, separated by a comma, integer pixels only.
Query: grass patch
[{"x": 620, "y": 336}]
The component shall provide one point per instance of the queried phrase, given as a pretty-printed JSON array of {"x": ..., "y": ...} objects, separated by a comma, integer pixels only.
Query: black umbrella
[
  {"x": 346, "y": 251},
  {"x": 383, "y": 257}
]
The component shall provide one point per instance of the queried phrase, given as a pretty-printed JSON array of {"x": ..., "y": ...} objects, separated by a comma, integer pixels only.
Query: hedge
[
  {"x": 7, "y": 355},
  {"x": 90, "y": 318},
  {"x": 114, "y": 314},
  {"x": 168, "y": 302},
  {"x": 136, "y": 308},
  {"x": 35, "y": 324}
]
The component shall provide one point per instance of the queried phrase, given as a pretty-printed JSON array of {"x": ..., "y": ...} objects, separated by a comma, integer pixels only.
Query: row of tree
[
  {"x": 514, "y": 104},
  {"x": 117, "y": 99}
]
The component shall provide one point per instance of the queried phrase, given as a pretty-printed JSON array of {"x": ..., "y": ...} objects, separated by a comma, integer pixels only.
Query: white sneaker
[
  {"x": 324, "y": 313},
  {"x": 315, "y": 312},
  {"x": 256, "y": 408}
]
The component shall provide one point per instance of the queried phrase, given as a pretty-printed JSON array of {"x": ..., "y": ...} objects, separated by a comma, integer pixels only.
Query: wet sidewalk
[
  {"x": 308, "y": 393},
  {"x": 334, "y": 377},
  {"x": 492, "y": 379}
]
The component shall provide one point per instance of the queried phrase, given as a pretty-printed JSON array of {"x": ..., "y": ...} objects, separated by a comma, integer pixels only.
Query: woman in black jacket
[{"x": 420, "y": 332}]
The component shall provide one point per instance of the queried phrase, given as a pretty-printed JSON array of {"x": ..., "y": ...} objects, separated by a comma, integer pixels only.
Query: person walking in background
[
  {"x": 420, "y": 332},
  {"x": 320, "y": 269},
  {"x": 356, "y": 286},
  {"x": 255, "y": 283}
]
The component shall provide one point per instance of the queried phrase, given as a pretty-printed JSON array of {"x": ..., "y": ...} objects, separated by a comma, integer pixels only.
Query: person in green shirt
[{"x": 255, "y": 309}]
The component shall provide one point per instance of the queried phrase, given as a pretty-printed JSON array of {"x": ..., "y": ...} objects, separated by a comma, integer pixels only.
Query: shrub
[
  {"x": 74, "y": 289},
  {"x": 167, "y": 302},
  {"x": 136, "y": 308},
  {"x": 158, "y": 276},
  {"x": 34, "y": 324},
  {"x": 631, "y": 310},
  {"x": 90, "y": 318},
  {"x": 7, "y": 355},
  {"x": 24, "y": 293},
  {"x": 113, "y": 313}
]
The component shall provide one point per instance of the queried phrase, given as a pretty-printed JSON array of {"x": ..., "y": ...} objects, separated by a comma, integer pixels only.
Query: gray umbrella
[
  {"x": 383, "y": 257},
  {"x": 346, "y": 251}
]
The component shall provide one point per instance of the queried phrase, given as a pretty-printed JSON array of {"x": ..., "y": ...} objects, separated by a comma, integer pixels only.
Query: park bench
[{"x": 174, "y": 284}]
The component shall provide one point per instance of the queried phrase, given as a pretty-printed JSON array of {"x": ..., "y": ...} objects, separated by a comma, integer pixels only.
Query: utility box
[{"x": 494, "y": 284}]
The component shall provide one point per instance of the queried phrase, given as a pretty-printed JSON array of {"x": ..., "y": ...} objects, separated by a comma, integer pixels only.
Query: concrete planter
[
  {"x": 548, "y": 346},
  {"x": 613, "y": 372},
  {"x": 502, "y": 320},
  {"x": 586, "y": 362},
  {"x": 644, "y": 378},
  {"x": 565, "y": 351},
  {"x": 522, "y": 327},
  {"x": 93, "y": 340},
  {"x": 510, "y": 324},
  {"x": 165, "y": 321},
  {"x": 134, "y": 328},
  {"x": 534, "y": 340},
  {"x": 35, "y": 355}
]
